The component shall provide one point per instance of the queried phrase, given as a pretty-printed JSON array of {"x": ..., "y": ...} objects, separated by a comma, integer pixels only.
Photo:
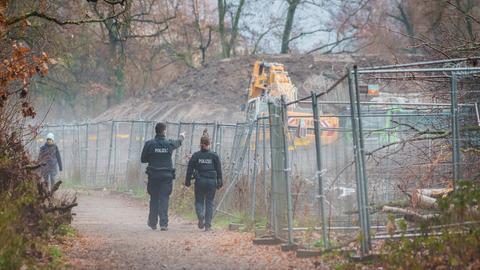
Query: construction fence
[{"x": 312, "y": 172}]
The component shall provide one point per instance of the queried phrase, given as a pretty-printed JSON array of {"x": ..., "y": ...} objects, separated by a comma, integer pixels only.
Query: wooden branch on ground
[
  {"x": 56, "y": 187},
  {"x": 63, "y": 208},
  {"x": 34, "y": 166},
  {"x": 463, "y": 225},
  {"x": 409, "y": 215},
  {"x": 402, "y": 235},
  {"x": 377, "y": 208}
]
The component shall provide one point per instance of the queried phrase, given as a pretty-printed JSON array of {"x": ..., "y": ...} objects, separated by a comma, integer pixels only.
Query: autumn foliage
[
  {"x": 15, "y": 74},
  {"x": 29, "y": 212}
]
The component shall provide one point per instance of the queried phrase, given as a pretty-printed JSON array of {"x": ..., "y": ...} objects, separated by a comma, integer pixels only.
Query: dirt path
[{"x": 114, "y": 235}]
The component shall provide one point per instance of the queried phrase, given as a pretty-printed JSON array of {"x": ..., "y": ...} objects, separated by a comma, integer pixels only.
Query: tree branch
[
  {"x": 156, "y": 34},
  {"x": 58, "y": 21},
  {"x": 310, "y": 32},
  {"x": 463, "y": 12},
  {"x": 336, "y": 43}
]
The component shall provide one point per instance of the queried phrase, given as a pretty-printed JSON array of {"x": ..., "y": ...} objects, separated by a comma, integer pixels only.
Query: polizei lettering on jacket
[
  {"x": 161, "y": 150},
  {"x": 205, "y": 161}
]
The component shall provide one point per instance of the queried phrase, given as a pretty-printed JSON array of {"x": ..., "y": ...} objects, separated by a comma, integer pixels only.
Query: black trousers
[
  {"x": 49, "y": 178},
  {"x": 159, "y": 190},
  {"x": 204, "y": 195}
]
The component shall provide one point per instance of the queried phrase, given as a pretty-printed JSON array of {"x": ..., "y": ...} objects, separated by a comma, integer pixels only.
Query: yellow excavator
[{"x": 271, "y": 79}]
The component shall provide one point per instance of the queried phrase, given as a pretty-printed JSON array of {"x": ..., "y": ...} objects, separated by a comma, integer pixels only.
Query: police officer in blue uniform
[
  {"x": 158, "y": 154},
  {"x": 206, "y": 168}
]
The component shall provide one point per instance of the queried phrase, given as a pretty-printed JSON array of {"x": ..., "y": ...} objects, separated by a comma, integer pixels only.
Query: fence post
[
  {"x": 86, "y": 152},
  {"x": 177, "y": 151},
  {"x": 130, "y": 142},
  {"x": 214, "y": 135},
  {"x": 264, "y": 161},
  {"x": 110, "y": 151},
  {"x": 73, "y": 147},
  {"x": 191, "y": 138},
  {"x": 79, "y": 153},
  {"x": 96, "y": 154},
  {"x": 218, "y": 143},
  {"x": 455, "y": 131},
  {"x": 362, "y": 159},
  {"x": 318, "y": 150},
  {"x": 356, "y": 146},
  {"x": 477, "y": 113},
  {"x": 146, "y": 127},
  {"x": 115, "y": 131},
  {"x": 255, "y": 171},
  {"x": 233, "y": 153},
  {"x": 287, "y": 171}
]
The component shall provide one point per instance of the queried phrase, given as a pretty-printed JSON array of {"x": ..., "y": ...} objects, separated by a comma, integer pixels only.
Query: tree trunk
[
  {"x": 222, "y": 9},
  {"x": 118, "y": 31},
  {"x": 234, "y": 33},
  {"x": 409, "y": 28},
  {"x": 3, "y": 17},
  {"x": 292, "y": 6}
]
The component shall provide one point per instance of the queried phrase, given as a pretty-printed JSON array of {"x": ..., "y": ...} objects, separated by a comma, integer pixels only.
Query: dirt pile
[{"x": 215, "y": 92}]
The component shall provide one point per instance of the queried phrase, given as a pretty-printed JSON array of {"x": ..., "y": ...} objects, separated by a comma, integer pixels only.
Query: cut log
[
  {"x": 377, "y": 208},
  {"x": 408, "y": 214},
  {"x": 422, "y": 201},
  {"x": 435, "y": 192}
]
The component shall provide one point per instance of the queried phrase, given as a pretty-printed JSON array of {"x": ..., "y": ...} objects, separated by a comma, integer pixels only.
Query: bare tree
[
  {"x": 346, "y": 26},
  {"x": 138, "y": 21},
  {"x": 201, "y": 26},
  {"x": 228, "y": 45}
]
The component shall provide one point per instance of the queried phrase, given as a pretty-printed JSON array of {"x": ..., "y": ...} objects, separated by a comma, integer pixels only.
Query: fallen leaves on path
[{"x": 110, "y": 244}]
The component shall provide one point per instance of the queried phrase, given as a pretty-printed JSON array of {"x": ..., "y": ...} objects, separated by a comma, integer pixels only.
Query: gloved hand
[
  {"x": 219, "y": 183},
  {"x": 182, "y": 134}
]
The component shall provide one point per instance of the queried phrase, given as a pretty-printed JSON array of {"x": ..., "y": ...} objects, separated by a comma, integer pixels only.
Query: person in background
[
  {"x": 206, "y": 168},
  {"x": 49, "y": 157},
  {"x": 158, "y": 154}
]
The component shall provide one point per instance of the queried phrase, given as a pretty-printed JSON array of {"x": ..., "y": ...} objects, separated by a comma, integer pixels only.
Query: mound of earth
[{"x": 216, "y": 91}]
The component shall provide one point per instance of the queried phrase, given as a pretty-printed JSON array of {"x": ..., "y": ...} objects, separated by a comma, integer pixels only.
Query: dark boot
[
  {"x": 153, "y": 226},
  {"x": 201, "y": 223}
]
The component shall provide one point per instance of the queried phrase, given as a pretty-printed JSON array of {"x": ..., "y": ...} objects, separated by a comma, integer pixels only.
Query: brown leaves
[
  {"x": 18, "y": 70},
  {"x": 28, "y": 110}
]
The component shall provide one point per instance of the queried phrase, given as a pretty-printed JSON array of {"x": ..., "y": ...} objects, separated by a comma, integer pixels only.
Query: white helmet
[{"x": 50, "y": 136}]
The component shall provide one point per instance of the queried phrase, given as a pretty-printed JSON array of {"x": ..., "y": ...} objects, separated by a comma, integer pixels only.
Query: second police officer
[{"x": 206, "y": 168}]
